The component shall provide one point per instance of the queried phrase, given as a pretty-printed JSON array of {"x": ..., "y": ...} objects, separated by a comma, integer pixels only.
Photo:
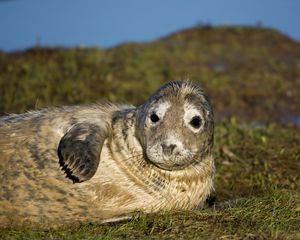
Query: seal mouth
[
  {"x": 173, "y": 167},
  {"x": 167, "y": 167}
]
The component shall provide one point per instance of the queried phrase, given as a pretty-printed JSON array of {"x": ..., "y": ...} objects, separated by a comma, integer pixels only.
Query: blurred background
[
  {"x": 244, "y": 54},
  {"x": 106, "y": 23}
]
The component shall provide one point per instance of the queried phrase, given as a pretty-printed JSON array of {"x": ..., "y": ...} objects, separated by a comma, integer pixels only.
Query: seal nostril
[{"x": 168, "y": 149}]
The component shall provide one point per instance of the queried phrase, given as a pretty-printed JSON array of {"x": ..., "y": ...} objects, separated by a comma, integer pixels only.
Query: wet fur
[{"x": 41, "y": 187}]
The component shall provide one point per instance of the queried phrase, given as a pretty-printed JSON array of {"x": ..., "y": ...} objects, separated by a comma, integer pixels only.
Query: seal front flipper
[{"x": 79, "y": 151}]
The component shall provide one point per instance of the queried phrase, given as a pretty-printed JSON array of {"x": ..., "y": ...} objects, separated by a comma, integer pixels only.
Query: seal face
[{"x": 175, "y": 126}]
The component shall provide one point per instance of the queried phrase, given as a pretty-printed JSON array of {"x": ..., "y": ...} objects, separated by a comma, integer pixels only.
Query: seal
[{"x": 103, "y": 162}]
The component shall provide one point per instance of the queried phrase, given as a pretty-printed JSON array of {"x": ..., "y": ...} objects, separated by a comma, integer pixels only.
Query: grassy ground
[
  {"x": 251, "y": 75},
  {"x": 257, "y": 195},
  {"x": 245, "y": 71}
]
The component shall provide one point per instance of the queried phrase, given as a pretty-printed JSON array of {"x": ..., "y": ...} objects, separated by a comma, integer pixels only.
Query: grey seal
[{"x": 103, "y": 162}]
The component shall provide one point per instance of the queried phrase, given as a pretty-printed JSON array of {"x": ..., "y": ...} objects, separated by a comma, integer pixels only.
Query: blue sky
[{"x": 106, "y": 23}]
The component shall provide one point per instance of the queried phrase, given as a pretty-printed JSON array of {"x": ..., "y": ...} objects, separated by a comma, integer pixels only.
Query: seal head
[{"x": 175, "y": 126}]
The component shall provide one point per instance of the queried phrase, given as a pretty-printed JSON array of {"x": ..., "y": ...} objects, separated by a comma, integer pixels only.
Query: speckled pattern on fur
[{"x": 36, "y": 189}]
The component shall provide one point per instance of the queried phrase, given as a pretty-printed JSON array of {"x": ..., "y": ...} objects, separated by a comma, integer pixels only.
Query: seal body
[{"x": 103, "y": 162}]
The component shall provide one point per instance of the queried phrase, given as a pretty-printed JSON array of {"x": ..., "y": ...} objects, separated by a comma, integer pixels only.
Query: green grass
[
  {"x": 257, "y": 195},
  {"x": 249, "y": 73},
  {"x": 270, "y": 217}
]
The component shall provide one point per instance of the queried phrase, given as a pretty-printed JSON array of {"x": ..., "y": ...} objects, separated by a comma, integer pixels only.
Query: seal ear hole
[
  {"x": 154, "y": 118},
  {"x": 196, "y": 122}
]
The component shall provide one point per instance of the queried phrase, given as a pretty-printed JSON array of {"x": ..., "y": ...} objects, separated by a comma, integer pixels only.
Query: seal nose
[{"x": 168, "y": 149}]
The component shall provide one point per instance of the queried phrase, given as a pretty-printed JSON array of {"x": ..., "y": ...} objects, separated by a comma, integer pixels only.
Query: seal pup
[{"x": 102, "y": 162}]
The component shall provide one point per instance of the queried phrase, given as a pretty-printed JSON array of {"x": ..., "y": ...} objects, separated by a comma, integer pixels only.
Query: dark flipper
[{"x": 79, "y": 151}]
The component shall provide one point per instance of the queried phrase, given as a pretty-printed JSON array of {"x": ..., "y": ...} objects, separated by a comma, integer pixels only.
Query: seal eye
[
  {"x": 154, "y": 118},
  {"x": 196, "y": 122}
]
